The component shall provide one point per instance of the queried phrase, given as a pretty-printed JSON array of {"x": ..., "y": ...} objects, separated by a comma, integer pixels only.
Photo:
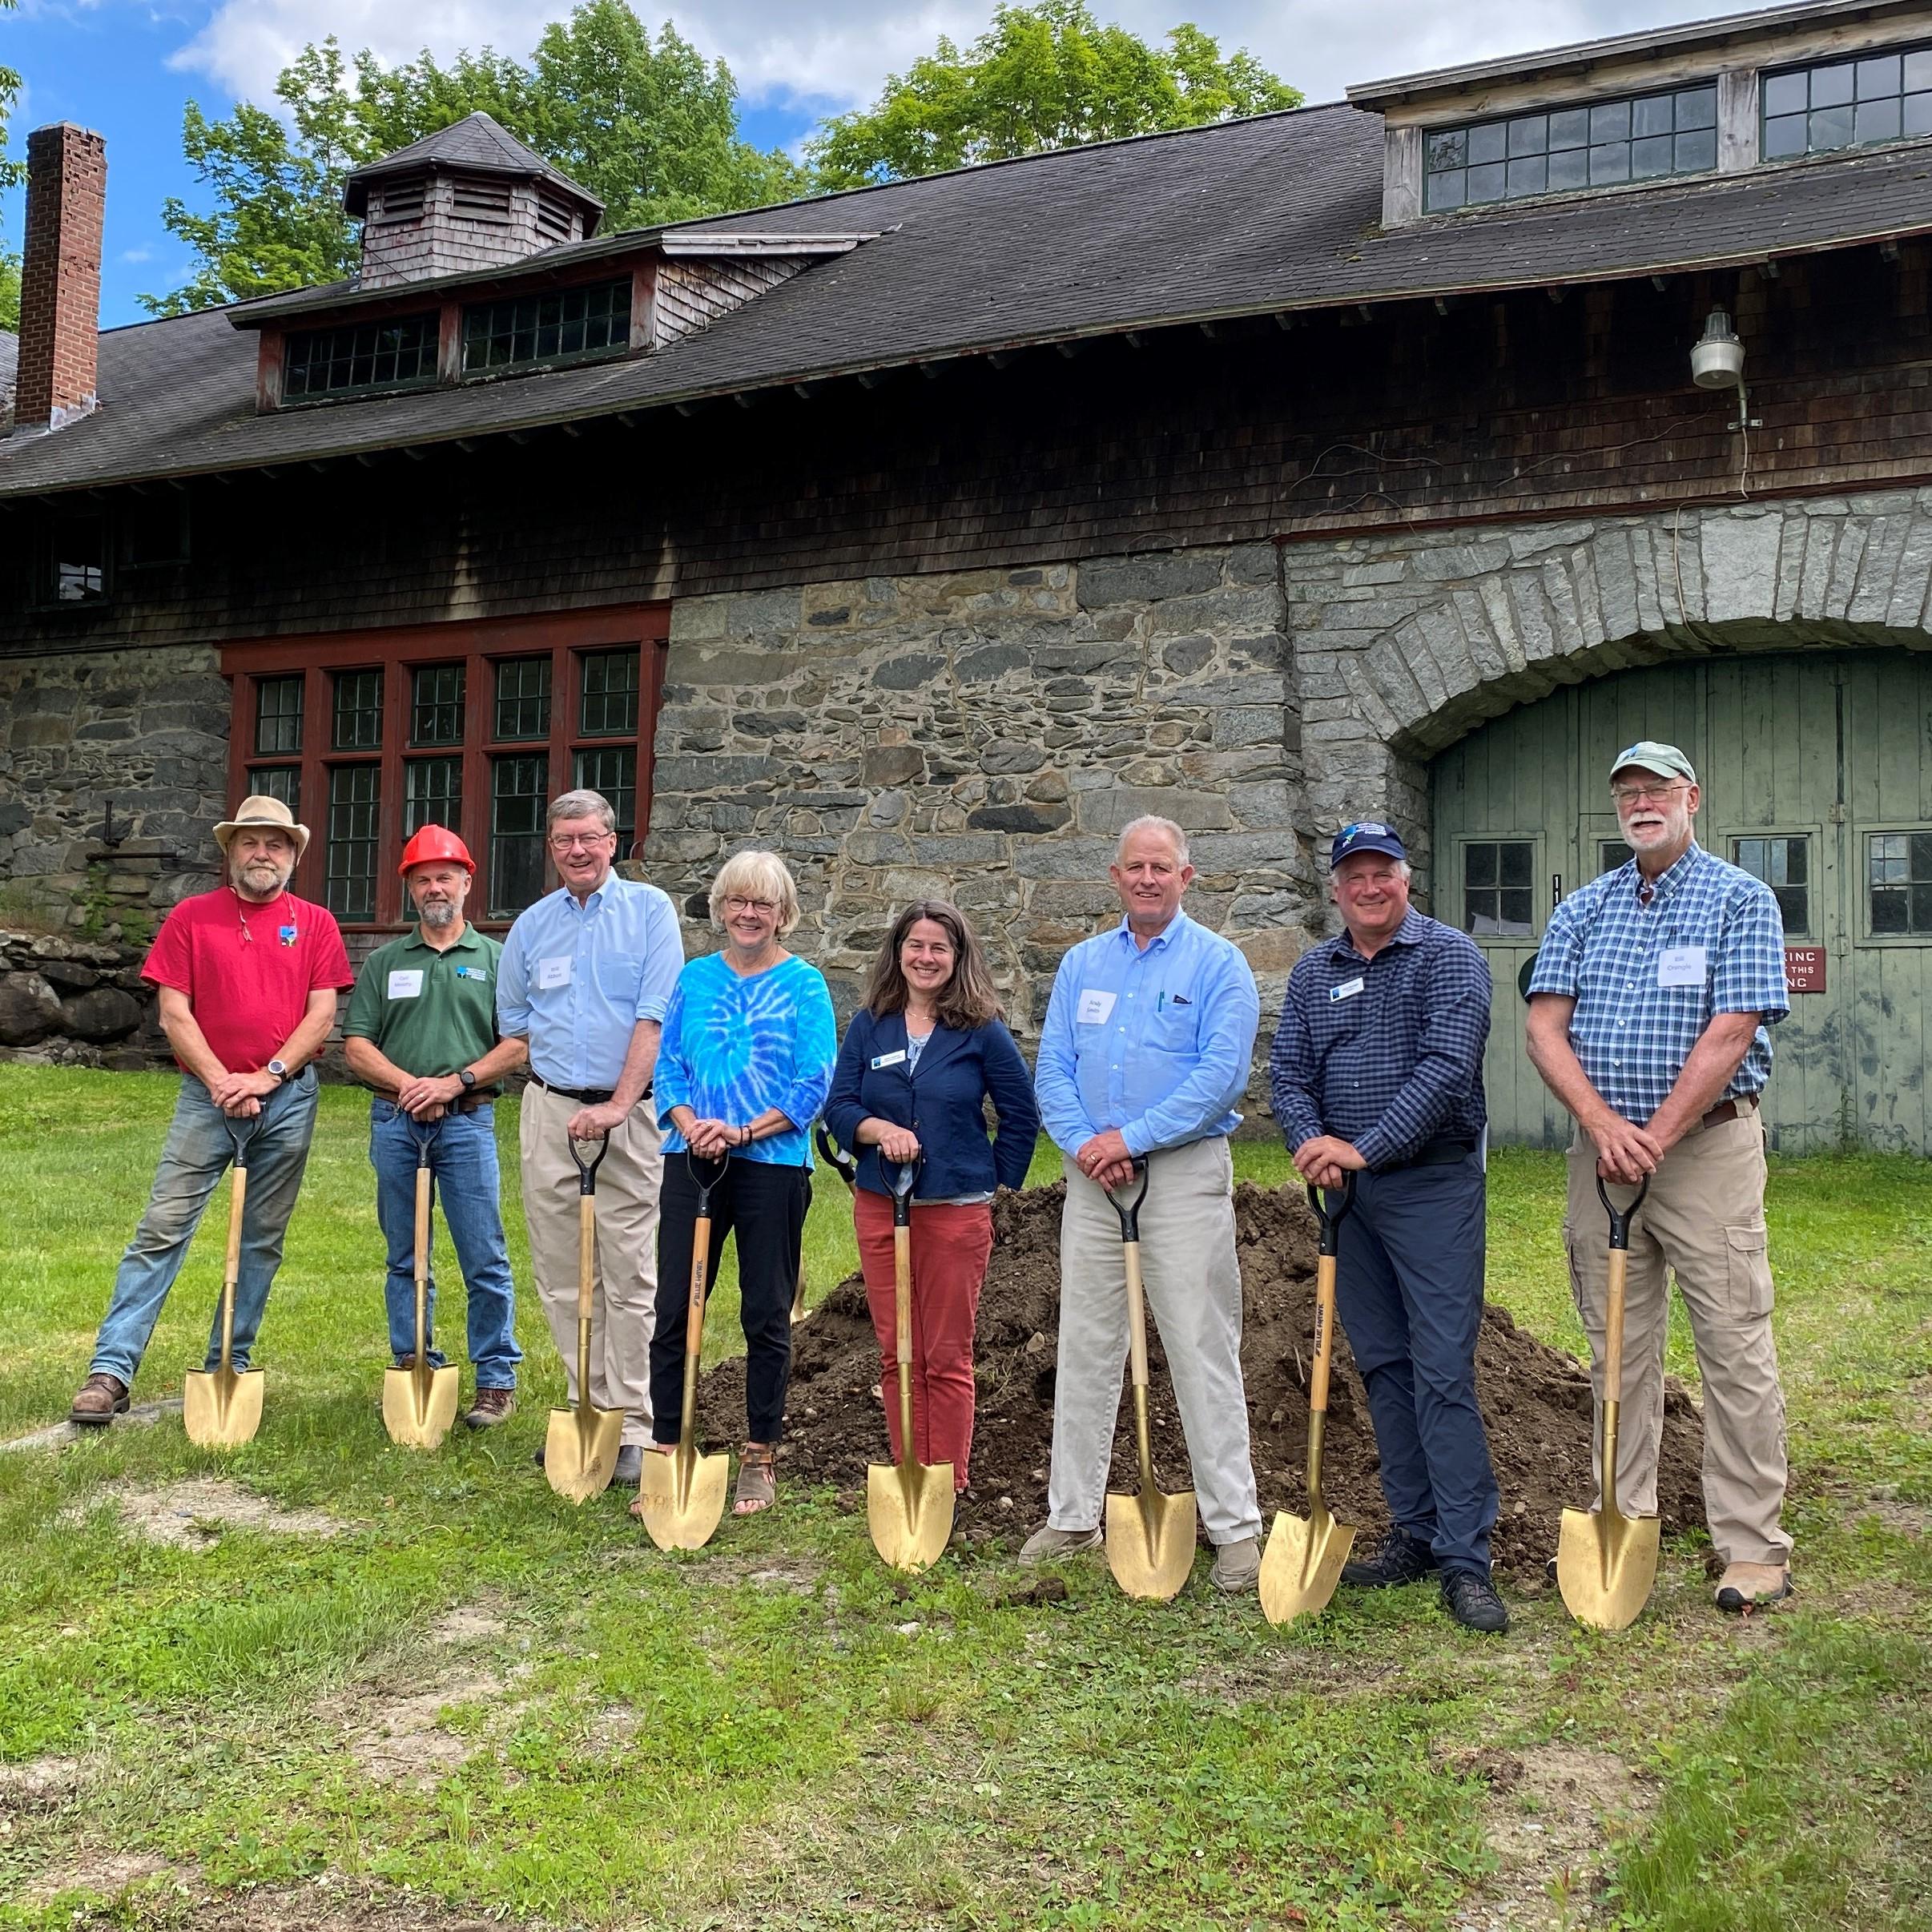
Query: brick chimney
[{"x": 60, "y": 276}]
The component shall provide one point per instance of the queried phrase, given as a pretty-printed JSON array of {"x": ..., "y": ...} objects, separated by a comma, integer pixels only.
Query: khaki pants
[
  {"x": 1704, "y": 1221},
  {"x": 1193, "y": 1295},
  {"x": 624, "y": 1282}
]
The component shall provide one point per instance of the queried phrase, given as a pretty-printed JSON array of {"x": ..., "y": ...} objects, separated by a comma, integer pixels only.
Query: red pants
[{"x": 950, "y": 1247}]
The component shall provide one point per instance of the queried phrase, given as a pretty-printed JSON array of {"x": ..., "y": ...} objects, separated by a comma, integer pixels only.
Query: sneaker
[
  {"x": 1236, "y": 1564},
  {"x": 1399, "y": 1557},
  {"x": 628, "y": 1469},
  {"x": 98, "y": 1400},
  {"x": 492, "y": 1406},
  {"x": 1044, "y": 1544},
  {"x": 1472, "y": 1601},
  {"x": 1743, "y": 1586}
]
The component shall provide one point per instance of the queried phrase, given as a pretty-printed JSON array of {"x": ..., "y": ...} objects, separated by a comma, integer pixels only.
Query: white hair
[
  {"x": 581, "y": 805},
  {"x": 1148, "y": 822},
  {"x": 754, "y": 874}
]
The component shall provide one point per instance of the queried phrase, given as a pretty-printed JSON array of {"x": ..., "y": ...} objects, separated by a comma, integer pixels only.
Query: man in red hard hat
[{"x": 422, "y": 1033}]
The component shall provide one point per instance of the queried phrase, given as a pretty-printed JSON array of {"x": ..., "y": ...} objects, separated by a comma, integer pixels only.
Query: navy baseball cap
[{"x": 1365, "y": 835}]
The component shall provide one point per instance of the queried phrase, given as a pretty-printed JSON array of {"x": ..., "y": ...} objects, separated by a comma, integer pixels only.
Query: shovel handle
[
  {"x": 230, "y": 1267},
  {"x": 586, "y": 1170},
  {"x": 1620, "y": 1217},
  {"x": 706, "y": 1188},
  {"x": 836, "y": 1157},
  {"x": 1136, "y": 1313},
  {"x": 1129, "y": 1209},
  {"x": 903, "y": 1178},
  {"x": 1325, "y": 1335},
  {"x": 1331, "y": 1222}
]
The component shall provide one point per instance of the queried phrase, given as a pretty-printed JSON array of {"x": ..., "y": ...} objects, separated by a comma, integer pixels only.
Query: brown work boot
[
  {"x": 1753, "y": 1586},
  {"x": 98, "y": 1400},
  {"x": 492, "y": 1406}
]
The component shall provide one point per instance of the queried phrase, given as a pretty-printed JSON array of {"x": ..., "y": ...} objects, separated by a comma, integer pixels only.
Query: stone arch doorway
[{"x": 1817, "y": 764}]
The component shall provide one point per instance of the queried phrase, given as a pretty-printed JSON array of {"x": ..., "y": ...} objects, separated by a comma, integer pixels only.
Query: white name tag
[
  {"x": 1095, "y": 1006},
  {"x": 1346, "y": 990},
  {"x": 1681, "y": 966},
  {"x": 553, "y": 973},
  {"x": 406, "y": 985},
  {"x": 889, "y": 1060}
]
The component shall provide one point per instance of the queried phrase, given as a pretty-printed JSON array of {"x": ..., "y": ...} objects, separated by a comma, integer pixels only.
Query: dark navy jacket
[{"x": 941, "y": 1101}]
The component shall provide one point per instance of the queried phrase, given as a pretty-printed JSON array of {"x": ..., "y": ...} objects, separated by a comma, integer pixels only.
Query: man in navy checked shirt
[
  {"x": 1652, "y": 992},
  {"x": 1377, "y": 1069}
]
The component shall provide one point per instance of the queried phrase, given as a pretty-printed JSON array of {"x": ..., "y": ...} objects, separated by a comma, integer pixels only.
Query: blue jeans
[
  {"x": 200, "y": 1144},
  {"x": 462, "y": 1150},
  {"x": 1408, "y": 1290}
]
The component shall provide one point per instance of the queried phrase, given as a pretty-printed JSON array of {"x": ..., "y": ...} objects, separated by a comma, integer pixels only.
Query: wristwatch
[
  {"x": 278, "y": 1068},
  {"x": 468, "y": 1078}
]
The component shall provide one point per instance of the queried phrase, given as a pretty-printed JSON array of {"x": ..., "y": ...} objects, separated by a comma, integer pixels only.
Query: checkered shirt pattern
[
  {"x": 1633, "y": 1035},
  {"x": 1399, "y": 1063}
]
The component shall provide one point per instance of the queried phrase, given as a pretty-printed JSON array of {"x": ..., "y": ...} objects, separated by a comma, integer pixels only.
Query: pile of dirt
[{"x": 1535, "y": 1401}]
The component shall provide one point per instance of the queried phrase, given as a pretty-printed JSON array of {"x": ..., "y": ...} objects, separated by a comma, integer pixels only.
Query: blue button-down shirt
[
  {"x": 575, "y": 979},
  {"x": 1155, "y": 1040},
  {"x": 1632, "y": 1031},
  {"x": 1384, "y": 1053}
]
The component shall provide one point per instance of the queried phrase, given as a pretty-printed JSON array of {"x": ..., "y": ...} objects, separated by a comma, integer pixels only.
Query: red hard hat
[{"x": 434, "y": 843}]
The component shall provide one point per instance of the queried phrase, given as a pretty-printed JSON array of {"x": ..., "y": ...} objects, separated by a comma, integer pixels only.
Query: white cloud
[
  {"x": 142, "y": 254},
  {"x": 836, "y": 53}
]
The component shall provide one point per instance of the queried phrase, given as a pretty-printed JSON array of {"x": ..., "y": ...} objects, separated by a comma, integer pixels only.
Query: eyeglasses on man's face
[
  {"x": 761, "y": 907},
  {"x": 1636, "y": 794},
  {"x": 571, "y": 842}
]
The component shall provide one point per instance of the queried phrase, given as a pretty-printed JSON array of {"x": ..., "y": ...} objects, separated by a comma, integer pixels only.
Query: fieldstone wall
[
  {"x": 72, "y": 1002},
  {"x": 984, "y": 737},
  {"x": 144, "y": 732}
]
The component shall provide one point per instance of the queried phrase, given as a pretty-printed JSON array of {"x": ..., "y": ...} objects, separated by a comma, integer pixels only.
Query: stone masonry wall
[
  {"x": 145, "y": 730},
  {"x": 984, "y": 737}
]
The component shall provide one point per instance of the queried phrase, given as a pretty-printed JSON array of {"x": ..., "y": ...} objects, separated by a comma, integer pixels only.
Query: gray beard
[
  {"x": 438, "y": 916},
  {"x": 246, "y": 891}
]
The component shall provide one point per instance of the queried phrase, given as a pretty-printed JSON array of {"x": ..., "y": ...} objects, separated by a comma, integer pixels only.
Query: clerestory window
[
  {"x": 564, "y": 325},
  {"x": 1847, "y": 103}
]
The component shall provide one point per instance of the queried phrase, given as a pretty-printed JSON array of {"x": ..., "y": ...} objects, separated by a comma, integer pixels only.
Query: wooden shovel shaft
[
  {"x": 1318, "y": 1380},
  {"x": 231, "y": 1269},
  {"x": 693, "y": 1332},
  {"x": 902, "y": 1312},
  {"x": 1613, "y": 1373},
  {"x": 1136, "y": 1344},
  {"x": 422, "y": 1269},
  {"x": 586, "y": 1282}
]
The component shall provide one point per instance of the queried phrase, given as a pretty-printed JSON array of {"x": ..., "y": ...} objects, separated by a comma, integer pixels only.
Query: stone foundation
[{"x": 77, "y": 1002}]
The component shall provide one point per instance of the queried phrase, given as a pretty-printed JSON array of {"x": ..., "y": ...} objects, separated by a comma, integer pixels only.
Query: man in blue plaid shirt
[
  {"x": 1648, "y": 1006},
  {"x": 1377, "y": 1070}
]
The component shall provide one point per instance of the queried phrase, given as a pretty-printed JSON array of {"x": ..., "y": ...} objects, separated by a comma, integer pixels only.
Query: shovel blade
[
  {"x": 1605, "y": 1566},
  {"x": 683, "y": 1495},
  {"x": 908, "y": 1508},
  {"x": 221, "y": 1408},
  {"x": 580, "y": 1452},
  {"x": 1302, "y": 1564},
  {"x": 1150, "y": 1542},
  {"x": 419, "y": 1405}
]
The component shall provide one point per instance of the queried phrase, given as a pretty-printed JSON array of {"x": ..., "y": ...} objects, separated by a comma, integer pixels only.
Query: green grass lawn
[{"x": 420, "y": 1690}]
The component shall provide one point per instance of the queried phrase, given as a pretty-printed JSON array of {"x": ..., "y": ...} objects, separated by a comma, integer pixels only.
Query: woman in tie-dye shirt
[{"x": 746, "y": 1057}]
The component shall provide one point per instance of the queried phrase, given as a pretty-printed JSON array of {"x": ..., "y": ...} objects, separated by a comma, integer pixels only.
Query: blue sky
[{"x": 126, "y": 67}]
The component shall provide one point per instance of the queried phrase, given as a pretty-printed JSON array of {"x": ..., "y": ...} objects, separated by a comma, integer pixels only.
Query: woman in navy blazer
[{"x": 925, "y": 1053}]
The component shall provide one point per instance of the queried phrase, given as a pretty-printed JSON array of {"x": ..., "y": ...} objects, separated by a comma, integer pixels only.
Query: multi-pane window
[
  {"x": 557, "y": 327},
  {"x": 358, "y": 710},
  {"x": 355, "y": 795},
  {"x": 75, "y": 570},
  {"x": 609, "y": 707},
  {"x": 519, "y": 788},
  {"x": 1498, "y": 888},
  {"x": 436, "y": 705},
  {"x": 523, "y": 697},
  {"x": 613, "y": 773},
  {"x": 1784, "y": 863},
  {"x": 278, "y": 716},
  {"x": 1611, "y": 853},
  {"x": 1848, "y": 103},
  {"x": 1899, "y": 877},
  {"x": 360, "y": 356},
  {"x": 432, "y": 793},
  {"x": 282, "y": 782},
  {"x": 1605, "y": 144}
]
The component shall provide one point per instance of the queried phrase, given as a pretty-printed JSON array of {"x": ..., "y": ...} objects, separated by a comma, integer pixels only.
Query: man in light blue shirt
[
  {"x": 1145, "y": 1051},
  {"x": 586, "y": 976}
]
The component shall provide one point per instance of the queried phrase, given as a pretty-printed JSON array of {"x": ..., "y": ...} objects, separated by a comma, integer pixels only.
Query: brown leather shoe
[
  {"x": 98, "y": 1400},
  {"x": 492, "y": 1406}
]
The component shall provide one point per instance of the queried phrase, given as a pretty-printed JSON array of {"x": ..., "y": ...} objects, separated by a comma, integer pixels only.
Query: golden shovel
[
  {"x": 418, "y": 1403},
  {"x": 682, "y": 1494},
  {"x": 1151, "y": 1537},
  {"x": 1606, "y": 1562},
  {"x": 909, "y": 1504},
  {"x": 221, "y": 1407},
  {"x": 580, "y": 1452},
  {"x": 1305, "y": 1556}
]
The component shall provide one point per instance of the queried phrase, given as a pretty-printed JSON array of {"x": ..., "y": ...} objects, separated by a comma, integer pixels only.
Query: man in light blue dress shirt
[
  {"x": 1145, "y": 1051},
  {"x": 586, "y": 976}
]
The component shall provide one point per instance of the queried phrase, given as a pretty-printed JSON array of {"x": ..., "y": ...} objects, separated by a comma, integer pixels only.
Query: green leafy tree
[
  {"x": 1043, "y": 76},
  {"x": 11, "y": 173},
  {"x": 647, "y": 126}
]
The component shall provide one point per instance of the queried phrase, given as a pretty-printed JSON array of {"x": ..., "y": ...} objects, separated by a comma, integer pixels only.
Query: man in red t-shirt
[{"x": 248, "y": 975}]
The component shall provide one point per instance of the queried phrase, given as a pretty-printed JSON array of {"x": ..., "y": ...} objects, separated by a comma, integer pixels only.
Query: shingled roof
[
  {"x": 1277, "y": 214},
  {"x": 478, "y": 145}
]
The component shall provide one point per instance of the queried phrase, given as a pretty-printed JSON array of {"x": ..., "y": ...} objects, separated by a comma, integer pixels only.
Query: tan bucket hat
[{"x": 267, "y": 814}]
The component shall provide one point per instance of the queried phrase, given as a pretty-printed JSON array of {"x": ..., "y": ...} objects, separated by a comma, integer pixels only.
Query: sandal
[{"x": 757, "y": 1479}]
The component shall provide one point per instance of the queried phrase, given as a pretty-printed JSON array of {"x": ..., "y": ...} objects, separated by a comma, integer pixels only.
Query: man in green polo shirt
[{"x": 421, "y": 1032}]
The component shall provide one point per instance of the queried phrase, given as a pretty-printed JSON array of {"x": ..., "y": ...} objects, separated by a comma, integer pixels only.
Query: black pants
[{"x": 765, "y": 1204}]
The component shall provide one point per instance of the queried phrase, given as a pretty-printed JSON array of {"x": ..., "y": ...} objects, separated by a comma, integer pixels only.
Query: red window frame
[{"x": 565, "y": 637}]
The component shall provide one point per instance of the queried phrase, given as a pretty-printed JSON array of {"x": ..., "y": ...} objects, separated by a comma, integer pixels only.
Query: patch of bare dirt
[
  {"x": 396, "y": 1734},
  {"x": 94, "y": 1870},
  {"x": 1536, "y": 1400},
  {"x": 60, "y": 1435},
  {"x": 325, "y": 1903},
  {"x": 197, "y": 1513},
  {"x": 467, "y": 1623},
  {"x": 41, "y": 1784}
]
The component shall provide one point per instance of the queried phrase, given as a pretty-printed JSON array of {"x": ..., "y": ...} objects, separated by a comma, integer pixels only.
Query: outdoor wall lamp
[{"x": 1717, "y": 361}]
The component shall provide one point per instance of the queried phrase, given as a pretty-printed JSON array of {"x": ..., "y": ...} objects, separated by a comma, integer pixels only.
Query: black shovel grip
[
  {"x": 834, "y": 1156},
  {"x": 586, "y": 1170},
  {"x": 1331, "y": 1223},
  {"x": 1129, "y": 1209},
  {"x": 1620, "y": 1217},
  {"x": 703, "y": 1186},
  {"x": 901, "y": 1179}
]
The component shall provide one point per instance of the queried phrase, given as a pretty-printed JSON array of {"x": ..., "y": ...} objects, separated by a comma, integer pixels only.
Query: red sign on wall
[{"x": 1804, "y": 968}]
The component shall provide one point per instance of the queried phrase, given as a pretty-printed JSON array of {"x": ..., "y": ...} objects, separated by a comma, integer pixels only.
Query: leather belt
[
  {"x": 1729, "y": 1110},
  {"x": 469, "y": 1103},
  {"x": 1436, "y": 1154},
  {"x": 585, "y": 1096}
]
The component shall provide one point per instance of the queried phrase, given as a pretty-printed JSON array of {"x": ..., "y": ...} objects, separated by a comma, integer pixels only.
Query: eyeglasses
[
  {"x": 760, "y": 906},
  {"x": 589, "y": 841},
  {"x": 1635, "y": 795}
]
